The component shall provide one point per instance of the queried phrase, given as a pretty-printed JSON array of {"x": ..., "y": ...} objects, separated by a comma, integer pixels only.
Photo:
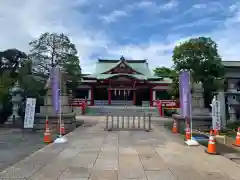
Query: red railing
[
  {"x": 84, "y": 107},
  {"x": 159, "y": 107},
  {"x": 165, "y": 104},
  {"x": 81, "y": 103}
]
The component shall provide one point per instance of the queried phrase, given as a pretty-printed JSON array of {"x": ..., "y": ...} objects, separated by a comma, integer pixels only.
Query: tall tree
[
  {"x": 32, "y": 85},
  {"x": 56, "y": 49},
  {"x": 200, "y": 56},
  {"x": 50, "y": 49},
  {"x": 72, "y": 67},
  {"x": 10, "y": 61}
]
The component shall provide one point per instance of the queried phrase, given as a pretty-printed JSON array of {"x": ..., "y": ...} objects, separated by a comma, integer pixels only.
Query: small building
[{"x": 123, "y": 82}]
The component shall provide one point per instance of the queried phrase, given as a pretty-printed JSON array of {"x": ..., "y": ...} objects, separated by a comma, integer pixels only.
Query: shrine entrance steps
[{"x": 118, "y": 111}]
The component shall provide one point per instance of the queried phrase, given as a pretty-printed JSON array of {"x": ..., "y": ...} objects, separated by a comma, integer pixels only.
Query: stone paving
[
  {"x": 16, "y": 145},
  {"x": 93, "y": 154}
]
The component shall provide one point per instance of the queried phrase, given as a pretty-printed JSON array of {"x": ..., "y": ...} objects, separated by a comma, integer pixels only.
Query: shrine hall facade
[{"x": 122, "y": 82}]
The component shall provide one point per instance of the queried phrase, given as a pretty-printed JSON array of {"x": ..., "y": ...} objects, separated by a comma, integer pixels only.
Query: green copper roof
[{"x": 140, "y": 66}]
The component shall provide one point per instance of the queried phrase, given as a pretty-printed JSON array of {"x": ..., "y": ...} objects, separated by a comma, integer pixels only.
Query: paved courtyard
[
  {"x": 16, "y": 145},
  {"x": 93, "y": 154}
]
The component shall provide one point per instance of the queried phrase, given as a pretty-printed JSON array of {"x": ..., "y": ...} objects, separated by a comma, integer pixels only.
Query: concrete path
[
  {"x": 93, "y": 154},
  {"x": 16, "y": 145}
]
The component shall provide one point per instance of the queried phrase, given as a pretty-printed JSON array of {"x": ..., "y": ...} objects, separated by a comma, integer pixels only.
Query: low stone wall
[
  {"x": 68, "y": 119},
  {"x": 201, "y": 123}
]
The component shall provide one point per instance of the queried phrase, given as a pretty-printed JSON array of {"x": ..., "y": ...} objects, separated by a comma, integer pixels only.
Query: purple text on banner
[
  {"x": 55, "y": 88},
  {"x": 185, "y": 92}
]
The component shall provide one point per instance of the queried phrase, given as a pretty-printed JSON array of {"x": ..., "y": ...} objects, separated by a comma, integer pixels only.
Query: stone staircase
[
  {"x": 118, "y": 110},
  {"x": 113, "y": 103}
]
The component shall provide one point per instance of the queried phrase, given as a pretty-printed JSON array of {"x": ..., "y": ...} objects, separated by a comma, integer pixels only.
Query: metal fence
[{"x": 141, "y": 122}]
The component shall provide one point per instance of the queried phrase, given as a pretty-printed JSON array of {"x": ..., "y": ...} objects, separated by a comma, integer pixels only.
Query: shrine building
[{"x": 122, "y": 82}]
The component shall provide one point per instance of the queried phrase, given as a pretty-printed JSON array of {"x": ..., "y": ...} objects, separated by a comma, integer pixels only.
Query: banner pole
[{"x": 60, "y": 105}]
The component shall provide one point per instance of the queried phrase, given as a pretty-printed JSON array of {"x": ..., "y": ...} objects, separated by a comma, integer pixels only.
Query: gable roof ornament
[{"x": 122, "y": 58}]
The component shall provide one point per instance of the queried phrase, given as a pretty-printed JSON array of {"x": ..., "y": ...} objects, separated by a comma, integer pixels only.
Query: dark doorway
[
  {"x": 100, "y": 94},
  {"x": 81, "y": 93},
  {"x": 142, "y": 95}
]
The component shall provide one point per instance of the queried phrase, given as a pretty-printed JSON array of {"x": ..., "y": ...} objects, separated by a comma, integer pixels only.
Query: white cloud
[
  {"x": 145, "y": 4},
  {"x": 199, "y": 6},
  {"x": 26, "y": 20},
  {"x": 205, "y": 9},
  {"x": 113, "y": 16},
  {"x": 152, "y": 6},
  {"x": 160, "y": 54},
  {"x": 170, "y": 5},
  {"x": 233, "y": 8},
  {"x": 157, "y": 54},
  {"x": 197, "y": 23}
]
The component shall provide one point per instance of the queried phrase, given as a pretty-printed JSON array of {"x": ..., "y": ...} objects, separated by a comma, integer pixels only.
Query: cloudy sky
[{"x": 137, "y": 29}]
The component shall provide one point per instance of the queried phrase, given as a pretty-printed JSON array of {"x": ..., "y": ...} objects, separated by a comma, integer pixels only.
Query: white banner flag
[
  {"x": 29, "y": 113},
  {"x": 216, "y": 118}
]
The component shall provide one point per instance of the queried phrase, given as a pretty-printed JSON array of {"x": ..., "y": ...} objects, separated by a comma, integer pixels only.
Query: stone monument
[
  {"x": 201, "y": 117},
  {"x": 15, "y": 119},
  {"x": 68, "y": 116}
]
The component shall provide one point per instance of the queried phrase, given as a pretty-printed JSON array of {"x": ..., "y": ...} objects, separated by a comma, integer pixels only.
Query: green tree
[
  {"x": 50, "y": 49},
  {"x": 173, "y": 75},
  {"x": 72, "y": 67},
  {"x": 10, "y": 60},
  {"x": 32, "y": 85},
  {"x": 163, "y": 72},
  {"x": 200, "y": 56},
  {"x": 56, "y": 49}
]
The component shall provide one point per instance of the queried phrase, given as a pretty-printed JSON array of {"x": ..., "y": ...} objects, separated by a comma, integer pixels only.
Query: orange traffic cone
[
  {"x": 188, "y": 133},
  {"x": 174, "y": 128},
  {"x": 47, "y": 135},
  {"x": 62, "y": 129},
  {"x": 211, "y": 144},
  {"x": 237, "y": 143}
]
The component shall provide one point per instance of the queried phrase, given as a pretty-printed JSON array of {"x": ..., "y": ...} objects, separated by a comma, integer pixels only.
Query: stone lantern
[{"x": 16, "y": 93}]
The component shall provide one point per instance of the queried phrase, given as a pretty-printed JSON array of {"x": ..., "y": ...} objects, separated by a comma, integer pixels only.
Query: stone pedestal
[
  {"x": 68, "y": 116},
  {"x": 232, "y": 115},
  {"x": 201, "y": 117},
  {"x": 221, "y": 98}
]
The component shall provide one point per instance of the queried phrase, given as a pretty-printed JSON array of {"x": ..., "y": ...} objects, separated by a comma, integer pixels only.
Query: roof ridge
[{"x": 127, "y": 60}]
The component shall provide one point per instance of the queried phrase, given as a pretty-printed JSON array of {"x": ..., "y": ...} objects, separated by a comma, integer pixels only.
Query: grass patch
[{"x": 233, "y": 126}]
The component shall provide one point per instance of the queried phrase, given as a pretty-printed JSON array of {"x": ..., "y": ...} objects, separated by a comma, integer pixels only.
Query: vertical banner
[
  {"x": 29, "y": 113},
  {"x": 55, "y": 88},
  {"x": 185, "y": 94},
  {"x": 180, "y": 95},
  {"x": 216, "y": 118}
]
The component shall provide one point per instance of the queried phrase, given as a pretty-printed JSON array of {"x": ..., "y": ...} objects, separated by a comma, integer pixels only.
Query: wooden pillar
[
  {"x": 134, "y": 92},
  {"x": 134, "y": 97},
  {"x": 92, "y": 96},
  {"x": 109, "y": 96}
]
